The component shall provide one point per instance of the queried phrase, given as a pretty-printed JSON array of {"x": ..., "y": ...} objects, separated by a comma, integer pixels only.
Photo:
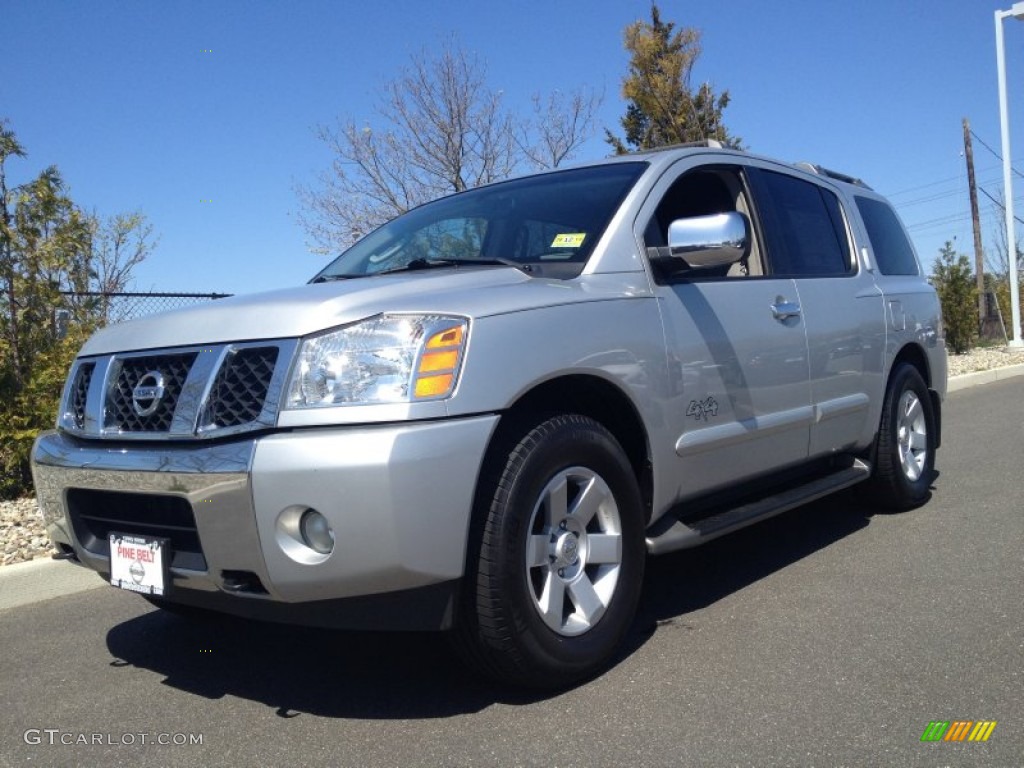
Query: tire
[
  {"x": 905, "y": 446},
  {"x": 556, "y": 557}
]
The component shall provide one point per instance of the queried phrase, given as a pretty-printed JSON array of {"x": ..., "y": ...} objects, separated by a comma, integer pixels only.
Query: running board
[{"x": 670, "y": 534}]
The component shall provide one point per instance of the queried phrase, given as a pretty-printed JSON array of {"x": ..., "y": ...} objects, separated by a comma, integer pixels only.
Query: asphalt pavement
[{"x": 831, "y": 635}]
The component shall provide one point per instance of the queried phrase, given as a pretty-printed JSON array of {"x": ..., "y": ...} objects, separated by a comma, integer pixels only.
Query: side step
[{"x": 670, "y": 534}]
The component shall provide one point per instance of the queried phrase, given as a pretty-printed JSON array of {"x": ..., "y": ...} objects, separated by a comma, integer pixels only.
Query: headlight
[{"x": 386, "y": 359}]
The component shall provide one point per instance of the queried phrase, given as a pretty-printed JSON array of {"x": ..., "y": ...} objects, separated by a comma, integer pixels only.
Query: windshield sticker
[{"x": 570, "y": 240}]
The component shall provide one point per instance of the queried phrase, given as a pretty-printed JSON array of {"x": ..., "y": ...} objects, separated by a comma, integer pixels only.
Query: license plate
[{"x": 139, "y": 563}]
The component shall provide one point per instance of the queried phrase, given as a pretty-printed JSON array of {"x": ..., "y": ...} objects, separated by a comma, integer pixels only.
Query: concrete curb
[
  {"x": 968, "y": 380},
  {"x": 44, "y": 579}
]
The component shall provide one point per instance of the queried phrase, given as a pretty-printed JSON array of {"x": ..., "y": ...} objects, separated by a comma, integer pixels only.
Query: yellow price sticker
[{"x": 568, "y": 240}]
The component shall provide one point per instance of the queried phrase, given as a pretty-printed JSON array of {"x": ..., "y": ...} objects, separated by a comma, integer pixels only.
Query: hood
[{"x": 474, "y": 292}]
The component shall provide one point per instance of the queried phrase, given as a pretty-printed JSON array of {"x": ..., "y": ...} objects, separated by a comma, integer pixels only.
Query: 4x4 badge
[
  {"x": 148, "y": 393},
  {"x": 701, "y": 409}
]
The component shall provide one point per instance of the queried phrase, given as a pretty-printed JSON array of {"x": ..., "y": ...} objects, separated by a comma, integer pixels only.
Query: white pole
[{"x": 1004, "y": 125}]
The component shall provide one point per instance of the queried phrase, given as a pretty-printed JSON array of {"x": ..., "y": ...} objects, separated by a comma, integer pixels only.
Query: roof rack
[{"x": 822, "y": 171}]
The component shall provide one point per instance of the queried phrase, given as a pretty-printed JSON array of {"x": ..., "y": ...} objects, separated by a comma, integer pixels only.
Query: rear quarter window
[{"x": 893, "y": 252}]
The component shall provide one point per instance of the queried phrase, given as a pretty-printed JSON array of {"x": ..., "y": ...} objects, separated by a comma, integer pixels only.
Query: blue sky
[{"x": 124, "y": 98}]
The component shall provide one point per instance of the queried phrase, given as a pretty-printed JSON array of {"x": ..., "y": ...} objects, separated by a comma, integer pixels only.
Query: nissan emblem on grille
[{"x": 148, "y": 392}]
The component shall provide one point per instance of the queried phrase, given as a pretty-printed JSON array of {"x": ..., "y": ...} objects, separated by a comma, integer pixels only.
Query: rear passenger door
[{"x": 808, "y": 238}]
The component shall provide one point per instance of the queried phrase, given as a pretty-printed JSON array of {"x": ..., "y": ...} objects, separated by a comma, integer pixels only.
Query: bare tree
[
  {"x": 118, "y": 245},
  {"x": 996, "y": 258},
  {"x": 558, "y": 128},
  {"x": 997, "y": 262},
  {"x": 438, "y": 129}
]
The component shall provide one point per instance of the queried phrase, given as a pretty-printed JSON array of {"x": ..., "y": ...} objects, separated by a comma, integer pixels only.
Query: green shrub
[
  {"x": 33, "y": 409},
  {"x": 49, "y": 249},
  {"x": 958, "y": 292}
]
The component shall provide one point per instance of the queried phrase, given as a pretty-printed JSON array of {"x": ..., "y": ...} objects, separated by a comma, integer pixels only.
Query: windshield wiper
[
  {"x": 332, "y": 278},
  {"x": 416, "y": 264},
  {"x": 521, "y": 266}
]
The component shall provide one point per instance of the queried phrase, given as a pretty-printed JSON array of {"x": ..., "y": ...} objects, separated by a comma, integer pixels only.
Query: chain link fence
[{"x": 118, "y": 307}]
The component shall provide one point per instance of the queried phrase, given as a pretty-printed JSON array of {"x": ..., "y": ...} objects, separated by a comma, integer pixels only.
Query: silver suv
[{"x": 485, "y": 415}]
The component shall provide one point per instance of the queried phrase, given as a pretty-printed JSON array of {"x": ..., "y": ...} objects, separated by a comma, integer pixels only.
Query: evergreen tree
[
  {"x": 662, "y": 107},
  {"x": 48, "y": 248}
]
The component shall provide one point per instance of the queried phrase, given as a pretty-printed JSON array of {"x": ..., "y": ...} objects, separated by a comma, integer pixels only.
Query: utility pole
[{"x": 979, "y": 257}]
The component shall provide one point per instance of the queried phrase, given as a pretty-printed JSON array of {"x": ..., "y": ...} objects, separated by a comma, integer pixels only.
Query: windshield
[{"x": 547, "y": 224}]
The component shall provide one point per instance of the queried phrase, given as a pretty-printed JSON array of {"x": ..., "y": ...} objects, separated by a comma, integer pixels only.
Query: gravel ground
[
  {"x": 21, "y": 532},
  {"x": 984, "y": 359},
  {"x": 22, "y": 536}
]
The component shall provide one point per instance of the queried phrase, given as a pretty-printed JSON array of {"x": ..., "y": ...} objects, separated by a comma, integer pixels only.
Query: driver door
[{"x": 735, "y": 336}]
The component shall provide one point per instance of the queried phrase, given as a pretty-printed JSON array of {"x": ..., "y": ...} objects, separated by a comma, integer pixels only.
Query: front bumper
[{"x": 398, "y": 498}]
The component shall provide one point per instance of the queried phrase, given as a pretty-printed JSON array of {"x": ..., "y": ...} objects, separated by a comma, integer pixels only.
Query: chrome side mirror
[{"x": 710, "y": 241}]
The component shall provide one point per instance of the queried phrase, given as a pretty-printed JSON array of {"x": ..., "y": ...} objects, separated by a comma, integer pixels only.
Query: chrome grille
[
  {"x": 240, "y": 390},
  {"x": 121, "y": 414},
  {"x": 177, "y": 393},
  {"x": 83, "y": 377}
]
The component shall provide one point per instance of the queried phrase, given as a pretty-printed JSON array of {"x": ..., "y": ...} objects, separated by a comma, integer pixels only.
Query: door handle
[{"x": 783, "y": 310}]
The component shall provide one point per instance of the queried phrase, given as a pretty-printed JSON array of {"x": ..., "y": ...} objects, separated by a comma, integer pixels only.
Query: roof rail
[
  {"x": 822, "y": 171},
  {"x": 709, "y": 143}
]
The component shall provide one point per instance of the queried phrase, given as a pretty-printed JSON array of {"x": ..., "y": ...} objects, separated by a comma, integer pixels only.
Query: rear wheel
[
  {"x": 905, "y": 448},
  {"x": 557, "y": 557}
]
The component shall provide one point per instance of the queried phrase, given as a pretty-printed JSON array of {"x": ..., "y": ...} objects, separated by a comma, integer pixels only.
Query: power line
[
  {"x": 986, "y": 146},
  {"x": 953, "y": 219},
  {"x": 940, "y": 221},
  {"x": 938, "y": 195},
  {"x": 923, "y": 186},
  {"x": 1001, "y": 206},
  {"x": 957, "y": 179},
  {"x": 949, "y": 215}
]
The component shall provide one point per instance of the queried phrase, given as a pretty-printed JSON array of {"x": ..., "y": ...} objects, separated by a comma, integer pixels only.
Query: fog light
[{"x": 316, "y": 532}]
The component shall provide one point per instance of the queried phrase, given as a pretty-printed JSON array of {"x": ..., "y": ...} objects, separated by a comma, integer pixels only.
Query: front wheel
[
  {"x": 557, "y": 557},
  {"x": 905, "y": 447}
]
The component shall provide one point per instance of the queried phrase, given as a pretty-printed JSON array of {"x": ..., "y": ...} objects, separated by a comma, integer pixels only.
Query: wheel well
[
  {"x": 914, "y": 355},
  {"x": 587, "y": 396}
]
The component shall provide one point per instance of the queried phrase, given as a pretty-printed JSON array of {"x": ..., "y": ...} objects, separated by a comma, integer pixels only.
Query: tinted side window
[
  {"x": 803, "y": 226},
  {"x": 701, "y": 191},
  {"x": 893, "y": 251}
]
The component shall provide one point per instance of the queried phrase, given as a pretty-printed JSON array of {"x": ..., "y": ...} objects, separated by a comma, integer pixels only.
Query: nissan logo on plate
[{"x": 148, "y": 393}]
